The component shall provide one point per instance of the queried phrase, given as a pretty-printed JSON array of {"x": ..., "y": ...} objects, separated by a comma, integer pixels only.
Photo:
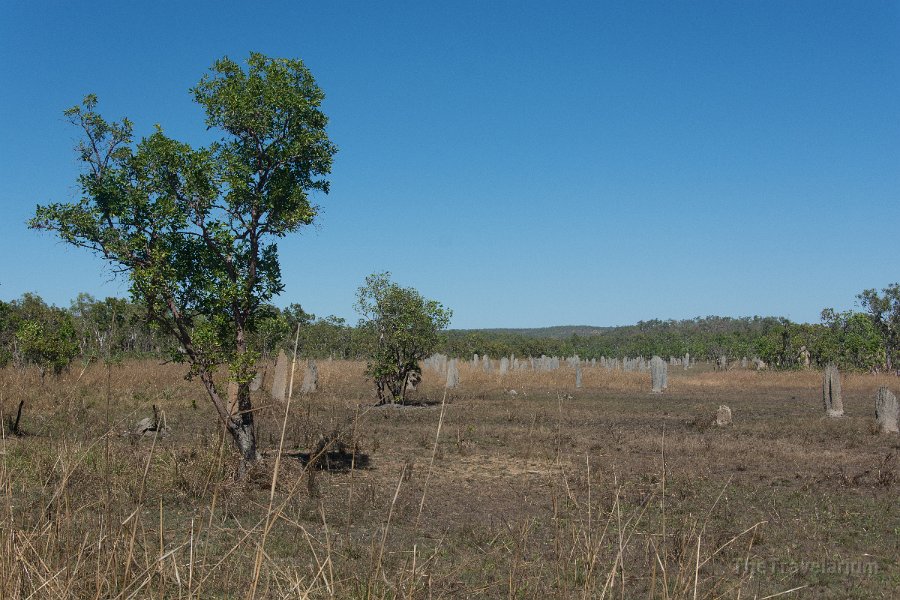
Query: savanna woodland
[{"x": 200, "y": 440}]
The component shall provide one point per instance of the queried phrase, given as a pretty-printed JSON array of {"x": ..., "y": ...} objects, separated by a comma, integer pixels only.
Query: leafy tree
[
  {"x": 296, "y": 316},
  {"x": 884, "y": 312},
  {"x": 861, "y": 345},
  {"x": 48, "y": 340},
  {"x": 767, "y": 347},
  {"x": 272, "y": 330},
  {"x": 328, "y": 337},
  {"x": 51, "y": 349},
  {"x": 194, "y": 229},
  {"x": 777, "y": 344},
  {"x": 103, "y": 326},
  {"x": 402, "y": 328},
  {"x": 851, "y": 340}
]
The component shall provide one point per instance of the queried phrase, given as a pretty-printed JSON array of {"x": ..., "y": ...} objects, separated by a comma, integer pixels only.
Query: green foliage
[
  {"x": 194, "y": 229},
  {"x": 861, "y": 346},
  {"x": 191, "y": 227},
  {"x": 111, "y": 327},
  {"x": 272, "y": 329},
  {"x": 34, "y": 332},
  {"x": 769, "y": 347},
  {"x": 884, "y": 312},
  {"x": 49, "y": 343},
  {"x": 331, "y": 337},
  {"x": 703, "y": 338},
  {"x": 319, "y": 337},
  {"x": 851, "y": 341},
  {"x": 401, "y": 328}
]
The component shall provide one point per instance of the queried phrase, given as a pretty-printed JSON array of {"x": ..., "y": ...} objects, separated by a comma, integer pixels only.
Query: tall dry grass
[
  {"x": 88, "y": 513},
  {"x": 73, "y": 547}
]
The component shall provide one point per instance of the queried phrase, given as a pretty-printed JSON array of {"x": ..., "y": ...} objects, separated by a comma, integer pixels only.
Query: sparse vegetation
[
  {"x": 606, "y": 491},
  {"x": 543, "y": 480},
  {"x": 206, "y": 436}
]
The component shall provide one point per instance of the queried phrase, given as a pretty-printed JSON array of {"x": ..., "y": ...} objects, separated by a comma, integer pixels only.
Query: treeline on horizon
[{"x": 35, "y": 332}]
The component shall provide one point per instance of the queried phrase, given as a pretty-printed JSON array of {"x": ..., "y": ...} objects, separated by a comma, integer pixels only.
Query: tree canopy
[
  {"x": 401, "y": 328},
  {"x": 884, "y": 311},
  {"x": 195, "y": 228}
]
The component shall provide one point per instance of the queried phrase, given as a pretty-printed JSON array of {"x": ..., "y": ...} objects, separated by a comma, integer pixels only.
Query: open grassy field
[{"x": 551, "y": 492}]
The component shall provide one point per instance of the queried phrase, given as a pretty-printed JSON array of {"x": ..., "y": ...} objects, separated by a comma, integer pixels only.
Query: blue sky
[{"x": 525, "y": 163}]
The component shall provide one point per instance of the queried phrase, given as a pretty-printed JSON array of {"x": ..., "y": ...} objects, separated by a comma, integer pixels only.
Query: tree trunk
[
  {"x": 402, "y": 392},
  {"x": 239, "y": 425},
  {"x": 244, "y": 437},
  {"x": 14, "y": 425}
]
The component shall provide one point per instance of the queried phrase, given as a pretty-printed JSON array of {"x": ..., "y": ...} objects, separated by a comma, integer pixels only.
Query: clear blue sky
[{"x": 526, "y": 163}]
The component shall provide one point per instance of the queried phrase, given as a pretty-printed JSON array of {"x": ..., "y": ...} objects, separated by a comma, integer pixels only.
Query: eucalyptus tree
[{"x": 194, "y": 229}]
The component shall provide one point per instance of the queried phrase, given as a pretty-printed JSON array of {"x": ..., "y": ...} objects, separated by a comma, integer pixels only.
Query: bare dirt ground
[{"x": 604, "y": 491}]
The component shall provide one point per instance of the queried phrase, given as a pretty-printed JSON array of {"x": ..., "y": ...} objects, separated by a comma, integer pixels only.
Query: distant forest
[{"x": 51, "y": 337}]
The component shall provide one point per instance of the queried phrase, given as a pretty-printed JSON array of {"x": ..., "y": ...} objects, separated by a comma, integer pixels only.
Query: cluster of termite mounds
[
  {"x": 887, "y": 409},
  {"x": 886, "y": 404},
  {"x": 282, "y": 379},
  {"x": 659, "y": 381},
  {"x": 449, "y": 367}
]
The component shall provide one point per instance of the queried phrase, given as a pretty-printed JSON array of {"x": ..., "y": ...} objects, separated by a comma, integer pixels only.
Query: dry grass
[{"x": 606, "y": 491}]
